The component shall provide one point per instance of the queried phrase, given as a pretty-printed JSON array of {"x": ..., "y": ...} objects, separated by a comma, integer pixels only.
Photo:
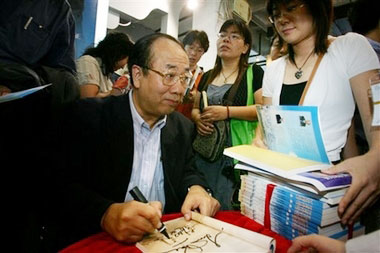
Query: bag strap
[
  {"x": 329, "y": 41},
  {"x": 310, "y": 79}
]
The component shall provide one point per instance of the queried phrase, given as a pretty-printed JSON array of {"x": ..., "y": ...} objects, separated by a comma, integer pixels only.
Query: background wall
[{"x": 141, "y": 17}]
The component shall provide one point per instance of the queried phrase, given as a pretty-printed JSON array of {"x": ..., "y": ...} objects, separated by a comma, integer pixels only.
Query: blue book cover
[
  {"x": 253, "y": 193},
  {"x": 293, "y": 130},
  {"x": 20, "y": 94}
]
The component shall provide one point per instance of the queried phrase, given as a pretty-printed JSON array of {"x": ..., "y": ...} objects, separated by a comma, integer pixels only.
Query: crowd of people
[{"x": 92, "y": 143}]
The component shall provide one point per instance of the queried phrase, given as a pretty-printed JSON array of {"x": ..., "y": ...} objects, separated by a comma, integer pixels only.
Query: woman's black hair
[
  {"x": 113, "y": 48},
  {"x": 244, "y": 31},
  {"x": 322, "y": 13},
  {"x": 364, "y": 16}
]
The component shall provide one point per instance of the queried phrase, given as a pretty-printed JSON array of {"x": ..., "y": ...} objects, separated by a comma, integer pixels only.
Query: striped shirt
[{"x": 147, "y": 171}]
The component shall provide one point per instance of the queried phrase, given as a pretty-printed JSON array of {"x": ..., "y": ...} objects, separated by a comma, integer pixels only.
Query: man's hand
[
  {"x": 365, "y": 186},
  {"x": 316, "y": 243},
  {"x": 130, "y": 221},
  {"x": 198, "y": 198}
]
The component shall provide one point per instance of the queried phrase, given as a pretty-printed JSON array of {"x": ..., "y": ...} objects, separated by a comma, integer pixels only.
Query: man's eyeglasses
[
  {"x": 232, "y": 36},
  {"x": 169, "y": 79},
  {"x": 289, "y": 10},
  {"x": 197, "y": 50}
]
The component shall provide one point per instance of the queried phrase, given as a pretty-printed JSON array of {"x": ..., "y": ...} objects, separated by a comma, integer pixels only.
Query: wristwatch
[{"x": 208, "y": 190}]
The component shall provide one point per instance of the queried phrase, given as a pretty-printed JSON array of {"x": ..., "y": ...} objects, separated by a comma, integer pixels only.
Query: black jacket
[
  {"x": 37, "y": 32},
  {"x": 97, "y": 164}
]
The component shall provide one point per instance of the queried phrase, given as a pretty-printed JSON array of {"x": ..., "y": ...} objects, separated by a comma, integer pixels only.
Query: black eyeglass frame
[{"x": 273, "y": 18}]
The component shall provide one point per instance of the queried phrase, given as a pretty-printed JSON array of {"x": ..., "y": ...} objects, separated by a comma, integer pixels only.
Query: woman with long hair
[
  {"x": 97, "y": 64},
  {"x": 230, "y": 74},
  {"x": 342, "y": 67}
]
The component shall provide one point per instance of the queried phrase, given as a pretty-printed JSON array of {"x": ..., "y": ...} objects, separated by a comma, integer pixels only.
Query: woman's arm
[
  {"x": 203, "y": 127},
  {"x": 364, "y": 169},
  {"x": 88, "y": 90},
  {"x": 92, "y": 90},
  {"x": 218, "y": 112}
]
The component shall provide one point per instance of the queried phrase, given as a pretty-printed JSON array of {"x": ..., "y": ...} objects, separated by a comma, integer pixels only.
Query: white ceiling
[{"x": 258, "y": 7}]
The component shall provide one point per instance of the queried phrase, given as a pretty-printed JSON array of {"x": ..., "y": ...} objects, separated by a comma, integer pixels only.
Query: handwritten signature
[{"x": 196, "y": 244}]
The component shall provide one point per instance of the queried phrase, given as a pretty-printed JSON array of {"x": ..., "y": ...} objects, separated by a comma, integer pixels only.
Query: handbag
[{"x": 211, "y": 146}]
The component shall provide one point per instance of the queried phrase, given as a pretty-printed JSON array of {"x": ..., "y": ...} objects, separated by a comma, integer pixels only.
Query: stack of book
[
  {"x": 284, "y": 189},
  {"x": 292, "y": 212}
]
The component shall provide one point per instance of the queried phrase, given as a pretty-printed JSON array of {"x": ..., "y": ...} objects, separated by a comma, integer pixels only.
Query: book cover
[
  {"x": 292, "y": 229},
  {"x": 329, "y": 187},
  {"x": 286, "y": 201},
  {"x": 293, "y": 130},
  {"x": 21, "y": 94}
]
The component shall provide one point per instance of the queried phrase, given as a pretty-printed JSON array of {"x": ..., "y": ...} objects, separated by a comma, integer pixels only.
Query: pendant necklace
[
  {"x": 299, "y": 72},
  {"x": 226, "y": 78}
]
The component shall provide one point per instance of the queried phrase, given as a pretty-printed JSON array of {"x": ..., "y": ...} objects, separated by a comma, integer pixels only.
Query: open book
[
  {"x": 299, "y": 172},
  {"x": 275, "y": 162},
  {"x": 205, "y": 234},
  {"x": 296, "y": 151}
]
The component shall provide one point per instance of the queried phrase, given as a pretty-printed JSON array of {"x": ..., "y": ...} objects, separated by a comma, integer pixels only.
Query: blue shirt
[
  {"x": 147, "y": 170},
  {"x": 376, "y": 46}
]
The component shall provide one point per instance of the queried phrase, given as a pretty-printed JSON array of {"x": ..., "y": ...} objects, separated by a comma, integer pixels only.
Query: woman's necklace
[
  {"x": 299, "y": 72},
  {"x": 226, "y": 78}
]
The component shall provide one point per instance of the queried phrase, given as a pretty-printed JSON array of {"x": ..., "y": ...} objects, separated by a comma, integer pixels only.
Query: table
[{"x": 102, "y": 242}]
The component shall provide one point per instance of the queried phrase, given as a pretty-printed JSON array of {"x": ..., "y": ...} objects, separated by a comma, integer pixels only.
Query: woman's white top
[
  {"x": 89, "y": 71},
  {"x": 369, "y": 243},
  {"x": 330, "y": 90}
]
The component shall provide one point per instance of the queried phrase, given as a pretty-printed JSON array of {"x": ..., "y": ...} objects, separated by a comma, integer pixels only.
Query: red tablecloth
[{"x": 102, "y": 242}]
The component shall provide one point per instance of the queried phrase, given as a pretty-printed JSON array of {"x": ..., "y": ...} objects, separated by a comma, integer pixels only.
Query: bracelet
[
  {"x": 117, "y": 88},
  {"x": 228, "y": 112}
]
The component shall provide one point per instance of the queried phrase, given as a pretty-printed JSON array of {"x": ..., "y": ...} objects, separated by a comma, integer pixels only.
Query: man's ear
[{"x": 137, "y": 74}]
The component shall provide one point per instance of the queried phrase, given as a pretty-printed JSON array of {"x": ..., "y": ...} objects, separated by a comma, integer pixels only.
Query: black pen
[{"x": 138, "y": 196}]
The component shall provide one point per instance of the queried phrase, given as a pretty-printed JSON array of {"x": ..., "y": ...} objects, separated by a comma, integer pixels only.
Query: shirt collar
[{"x": 138, "y": 121}]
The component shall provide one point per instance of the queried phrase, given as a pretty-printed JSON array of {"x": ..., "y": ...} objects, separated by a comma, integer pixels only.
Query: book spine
[{"x": 288, "y": 203}]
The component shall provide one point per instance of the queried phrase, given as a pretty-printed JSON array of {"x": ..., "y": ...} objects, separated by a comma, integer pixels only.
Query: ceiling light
[
  {"x": 192, "y": 4},
  {"x": 126, "y": 24}
]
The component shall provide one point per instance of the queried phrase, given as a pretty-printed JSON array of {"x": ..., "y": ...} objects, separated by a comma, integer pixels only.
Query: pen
[{"x": 138, "y": 196}]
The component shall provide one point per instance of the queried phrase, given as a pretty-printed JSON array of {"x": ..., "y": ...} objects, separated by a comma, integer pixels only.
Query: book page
[
  {"x": 196, "y": 236},
  {"x": 271, "y": 161}
]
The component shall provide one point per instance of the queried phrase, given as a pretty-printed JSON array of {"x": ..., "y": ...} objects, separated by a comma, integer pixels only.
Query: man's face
[
  {"x": 153, "y": 98},
  {"x": 195, "y": 52}
]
